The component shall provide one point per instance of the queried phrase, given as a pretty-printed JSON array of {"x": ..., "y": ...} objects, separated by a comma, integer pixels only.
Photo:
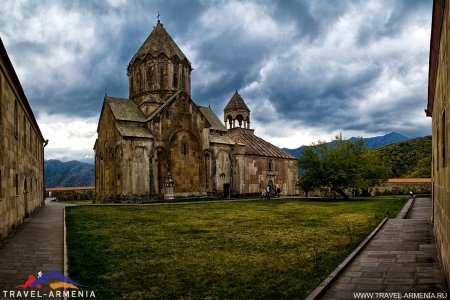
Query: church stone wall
[
  {"x": 179, "y": 134},
  {"x": 21, "y": 153},
  {"x": 122, "y": 165},
  {"x": 136, "y": 171},
  {"x": 103, "y": 160},
  {"x": 253, "y": 173},
  {"x": 222, "y": 168}
]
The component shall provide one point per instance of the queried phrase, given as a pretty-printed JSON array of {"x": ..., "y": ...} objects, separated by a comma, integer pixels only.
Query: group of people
[{"x": 270, "y": 191}]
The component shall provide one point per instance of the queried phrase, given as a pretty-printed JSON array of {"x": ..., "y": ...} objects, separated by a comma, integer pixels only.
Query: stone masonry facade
[
  {"x": 21, "y": 151},
  {"x": 439, "y": 109}
]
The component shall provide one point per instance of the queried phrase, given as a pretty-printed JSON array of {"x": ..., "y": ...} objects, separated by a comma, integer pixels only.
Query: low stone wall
[
  {"x": 394, "y": 186},
  {"x": 403, "y": 186},
  {"x": 71, "y": 193}
]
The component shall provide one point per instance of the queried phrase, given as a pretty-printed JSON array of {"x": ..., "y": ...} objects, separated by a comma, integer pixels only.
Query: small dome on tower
[
  {"x": 236, "y": 102},
  {"x": 236, "y": 113}
]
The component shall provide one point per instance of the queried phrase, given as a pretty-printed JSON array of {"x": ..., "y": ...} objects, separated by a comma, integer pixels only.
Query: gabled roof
[
  {"x": 124, "y": 109},
  {"x": 163, "y": 106},
  {"x": 216, "y": 124},
  {"x": 157, "y": 43},
  {"x": 255, "y": 145},
  {"x": 127, "y": 130},
  {"x": 129, "y": 119},
  {"x": 236, "y": 102}
]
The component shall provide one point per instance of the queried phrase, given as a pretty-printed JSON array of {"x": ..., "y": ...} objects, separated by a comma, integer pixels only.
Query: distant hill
[
  {"x": 66, "y": 174},
  {"x": 379, "y": 141},
  {"x": 371, "y": 143},
  {"x": 408, "y": 159}
]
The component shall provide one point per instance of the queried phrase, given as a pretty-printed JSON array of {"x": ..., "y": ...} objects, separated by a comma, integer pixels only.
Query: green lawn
[{"x": 239, "y": 250}]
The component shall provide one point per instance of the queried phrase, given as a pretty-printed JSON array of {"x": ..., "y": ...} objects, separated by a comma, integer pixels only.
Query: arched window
[
  {"x": 182, "y": 78},
  {"x": 230, "y": 121},
  {"x": 149, "y": 76},
  {"x": 184, "y": 148},
  {"x": 239, "y": 118},
  {"x": 16, "y": 183},
  {"x": 138, "y": 80},
  {"x": 270, "y": 165},
  {"x": 161, "y": 77},
  {"x": 175, "y": 77}
]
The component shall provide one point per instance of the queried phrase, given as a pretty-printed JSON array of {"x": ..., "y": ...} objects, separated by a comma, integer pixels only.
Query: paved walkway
[
  {"x": 36, "y": 245},
  {"x": 401, "y": 258}
]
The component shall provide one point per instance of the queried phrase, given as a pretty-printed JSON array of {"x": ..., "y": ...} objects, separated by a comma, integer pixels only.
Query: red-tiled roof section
[
  {"x": 409, "y": 180},
  {"x": 255, "y": 145},
  {"x": 74, "y": 188},
  {"x": 236, "y": 102}
]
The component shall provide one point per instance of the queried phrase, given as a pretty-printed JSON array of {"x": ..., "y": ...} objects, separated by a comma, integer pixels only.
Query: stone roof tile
[
  {"x": 124, "y": 109},
  {"x": 127, "y": 130},
  {"x": 255, "y": 145},
  {"x": 157, "y": 43},
  {"x": 212, "y": 118},
  {"x": 236, "y": 102},
  {"x": 221, "y": 139}
]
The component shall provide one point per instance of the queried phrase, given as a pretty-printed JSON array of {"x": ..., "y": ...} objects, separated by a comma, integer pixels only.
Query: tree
[{"x": 345, "y": 165}]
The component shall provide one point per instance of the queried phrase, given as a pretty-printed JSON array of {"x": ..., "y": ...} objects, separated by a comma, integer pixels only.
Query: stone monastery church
[{"x": 159, "y": 138}]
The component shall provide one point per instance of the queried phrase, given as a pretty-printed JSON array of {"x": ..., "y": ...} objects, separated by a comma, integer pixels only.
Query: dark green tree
[{"x": 346, "y": 165}]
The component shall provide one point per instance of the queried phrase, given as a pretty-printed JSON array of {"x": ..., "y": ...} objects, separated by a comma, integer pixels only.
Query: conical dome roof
[
  {"x": 236, "y": 102},
  {"x": 158, "y": 42}
]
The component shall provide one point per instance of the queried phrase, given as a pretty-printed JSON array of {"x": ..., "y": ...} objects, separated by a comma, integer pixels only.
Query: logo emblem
[{"x": 53, "y": 278}]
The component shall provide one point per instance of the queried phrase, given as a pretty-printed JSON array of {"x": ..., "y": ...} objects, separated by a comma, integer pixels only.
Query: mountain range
[
  {"x": 66, "y": 174},
  {"x": 408, "y": 159},
  {"x": 371, "y": 143}
]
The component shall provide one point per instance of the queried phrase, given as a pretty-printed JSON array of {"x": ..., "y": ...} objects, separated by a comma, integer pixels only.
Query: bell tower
[
  {"x": 158, "y": 70},
  {"x": 236, "y": 113}
]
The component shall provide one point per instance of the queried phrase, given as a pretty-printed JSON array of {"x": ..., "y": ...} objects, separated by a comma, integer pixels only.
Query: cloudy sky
[{"x": 307, "y": 69}]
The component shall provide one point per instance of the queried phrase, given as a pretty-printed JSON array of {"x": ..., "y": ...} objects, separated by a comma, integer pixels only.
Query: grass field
[{"x": 239, "y": 250}]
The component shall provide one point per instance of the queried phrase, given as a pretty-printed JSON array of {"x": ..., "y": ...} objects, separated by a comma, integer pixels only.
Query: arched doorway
[{"x": 270, "y": 184}]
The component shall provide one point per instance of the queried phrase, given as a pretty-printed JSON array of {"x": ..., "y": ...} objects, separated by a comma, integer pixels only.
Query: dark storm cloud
[{"x": 324, "y": 66}]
